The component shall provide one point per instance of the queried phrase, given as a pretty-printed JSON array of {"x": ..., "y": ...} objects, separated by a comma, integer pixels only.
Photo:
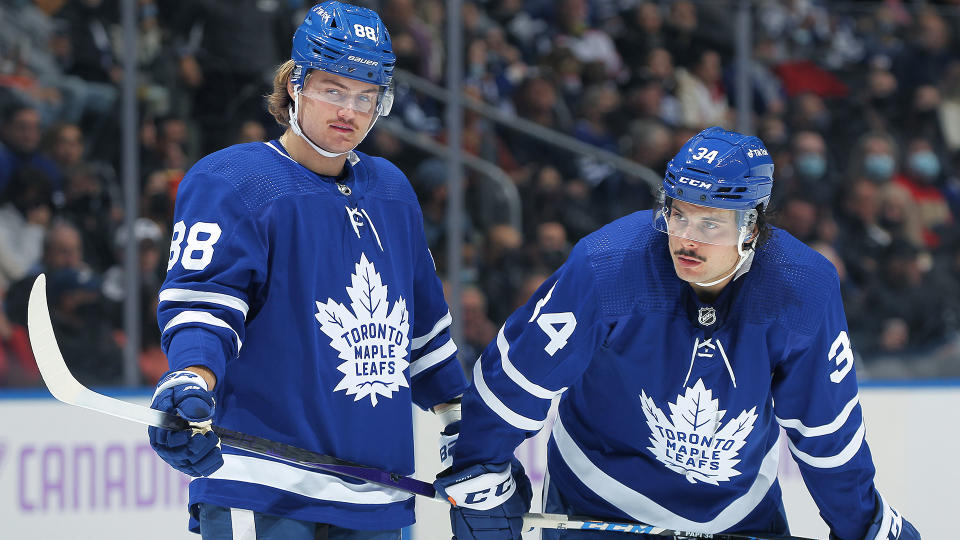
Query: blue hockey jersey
[
  {"x": 670, "y": 408},
  {"x": 316, "y": 304}
]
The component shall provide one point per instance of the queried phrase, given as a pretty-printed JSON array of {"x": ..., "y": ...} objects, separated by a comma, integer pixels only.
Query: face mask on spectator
[
  {"x": 811, "y": 166},
  {"x": 924, "y": 165},
  {"x": 879, "y": 167}
]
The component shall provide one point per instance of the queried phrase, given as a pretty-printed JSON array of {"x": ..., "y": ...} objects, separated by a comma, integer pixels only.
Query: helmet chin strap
[
  {"x": 293, "y": 111},
  {"x": 744, "y": 256}
]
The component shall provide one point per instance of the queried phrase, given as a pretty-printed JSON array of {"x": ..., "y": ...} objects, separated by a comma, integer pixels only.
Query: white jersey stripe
[
  {"x": 187, "y": 295},
  {"x": 644, "y": 509},
  {"x": 828, "y": 462},
  {"x": 419, "y": 342},
  {"x": 516, "y": 420},
  {"x": 518, "y": 377},
  {"x": 433, "y": 358},
  {"x": 825, "y": 429},
  {"x": 243, "y": 524},
  {"x": 311, "y": 484},
  {"x": 201, "y": 317}
]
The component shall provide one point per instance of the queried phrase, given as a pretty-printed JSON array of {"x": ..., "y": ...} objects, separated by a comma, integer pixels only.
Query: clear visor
[
  {"x": 703, "y": 224},
  {"x": 363, "y": 101}
]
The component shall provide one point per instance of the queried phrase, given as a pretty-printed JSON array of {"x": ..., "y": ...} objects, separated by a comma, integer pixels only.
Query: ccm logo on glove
[{"x": 483, "y": 492}]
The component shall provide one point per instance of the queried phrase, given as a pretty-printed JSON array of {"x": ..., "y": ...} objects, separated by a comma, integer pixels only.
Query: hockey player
[
  {"x": 301, "y": 304},
  {"x": 679, "y": 341}
]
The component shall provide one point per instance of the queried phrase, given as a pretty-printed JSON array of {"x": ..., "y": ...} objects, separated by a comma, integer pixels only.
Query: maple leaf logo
[
  {"x": 370, "y": 337},
  {"x": 691, "y": 441}
]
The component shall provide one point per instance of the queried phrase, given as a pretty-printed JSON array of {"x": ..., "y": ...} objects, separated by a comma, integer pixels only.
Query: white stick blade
[{"x": 61, "y": 382}]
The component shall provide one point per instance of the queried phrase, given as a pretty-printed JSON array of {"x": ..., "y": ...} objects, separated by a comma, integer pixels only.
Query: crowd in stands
[{"x": 858, "y": 102}]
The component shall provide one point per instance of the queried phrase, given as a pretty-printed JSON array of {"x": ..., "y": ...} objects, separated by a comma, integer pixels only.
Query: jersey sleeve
[
  {"x": 217, "y": 263},
  {"x": 817, "y": 402},
  {"x": 543, "y": 348},
  {"x": 436, "y": 375}
]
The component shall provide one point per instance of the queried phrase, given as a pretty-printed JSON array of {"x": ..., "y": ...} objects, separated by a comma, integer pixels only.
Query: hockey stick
[{"x": 62, "y": 384}]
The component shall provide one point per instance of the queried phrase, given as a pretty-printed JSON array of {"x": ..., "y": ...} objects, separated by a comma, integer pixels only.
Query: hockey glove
[
  {"x": 488, "y": 500},
  {"x": 449, "y": 414},
  {"x": 448, "y": 439},
  {"x": 888, "y": 524},
  {"x": 196, "y": 450}
]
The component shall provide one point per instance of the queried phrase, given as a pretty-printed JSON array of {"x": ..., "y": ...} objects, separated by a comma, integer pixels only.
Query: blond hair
[{"x": 279, "y": 101}]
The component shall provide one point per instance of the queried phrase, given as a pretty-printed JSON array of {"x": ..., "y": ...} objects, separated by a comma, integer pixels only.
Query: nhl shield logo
[{"x": 707, "y": 316}]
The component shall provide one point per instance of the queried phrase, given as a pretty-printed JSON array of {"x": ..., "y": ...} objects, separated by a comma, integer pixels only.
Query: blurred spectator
[
  {"x": 227, "y": 54},
  {"x": 878, "y": 108},
  {"x": 680, "y": 33},
  {"x": 17, "y": 366},
  {"x": 478, "y": 329},
  {"x": 766, "y": 89},
  {"x": 650, "y": 144},
  {"x": 529, "y": 285},
  {"x": 900, "y": 215},
  {"x": 592, "y": 128},
  {"x": 63, "y": 143},
  {"x": 798, "y": 216},
  {"x": 703, "y": 99},
  {"x": 923, "y": 179},
  {"x": 164, "y": 144},
  {"x": 88, "y": 204},
  {"x": 251, "y": 131},
  {"x": 35, "y": 51},
  {"x": 414, "y": 44},
  {"x": 809, "y": 112},
  {"x": 152, "y": 269},
  {"x": 91, "y": 54},
  {"x": 928, "y": 54},
  {"x": 22, "y": 222},
  {"x": 949, "y": 110},
  {"x": 905, "y": 315},
  {"x": 811, "y": 174},
  {"x": 874, "y": 157},
  {"x": 589, "y": 45},
  {"x": 536, "y": 100},
  {"x": 502, "y": 268},
  {"x": 62, "y": 249},
  {"x": 20, "y": 134},
  {"x": 862, "y": 239},
  {"x": 156, "y": 199},
  {"x": 84, "y": 334},
  {"x": 551, "y": 248},
  {"x": 642, "y": 32}
]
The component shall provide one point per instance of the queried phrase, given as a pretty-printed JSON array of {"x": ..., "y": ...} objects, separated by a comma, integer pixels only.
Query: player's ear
[{"x": 289, "y": 88}]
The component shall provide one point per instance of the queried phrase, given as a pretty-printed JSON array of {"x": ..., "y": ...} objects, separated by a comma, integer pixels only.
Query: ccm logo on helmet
[
  {"x": 693, "y": 182},
  {"x": 363, "y": 60}
]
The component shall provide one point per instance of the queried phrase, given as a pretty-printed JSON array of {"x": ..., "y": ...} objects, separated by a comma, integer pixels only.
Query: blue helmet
[
  {"x": 346, "y": 40},
  {"x": 721, "y": 169}
]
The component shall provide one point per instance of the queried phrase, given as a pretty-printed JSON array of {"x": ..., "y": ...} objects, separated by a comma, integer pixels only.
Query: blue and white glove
[
  {"x": 196, "y": 450},
  {"x": 488, "y": 501},
  {"x": 888, "y": 524},
  {"x": 449, "y": 414},
  {"x": 448, "y": 440}
]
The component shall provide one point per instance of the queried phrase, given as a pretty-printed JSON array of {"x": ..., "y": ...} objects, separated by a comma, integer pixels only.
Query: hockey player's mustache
[{"x": 690, "y": 254}]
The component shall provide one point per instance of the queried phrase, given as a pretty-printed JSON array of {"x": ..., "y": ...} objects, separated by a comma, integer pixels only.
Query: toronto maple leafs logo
[
  {"x": 691, "y": 442},
  {"x": 371, "y": 337}
]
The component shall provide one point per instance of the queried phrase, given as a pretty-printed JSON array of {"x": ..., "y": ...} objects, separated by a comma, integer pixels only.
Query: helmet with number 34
[{"x": 716, "y": 169}]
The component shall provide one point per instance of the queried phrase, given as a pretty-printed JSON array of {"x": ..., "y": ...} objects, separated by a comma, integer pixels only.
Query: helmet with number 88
[{"x": 345, "y": 40}]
